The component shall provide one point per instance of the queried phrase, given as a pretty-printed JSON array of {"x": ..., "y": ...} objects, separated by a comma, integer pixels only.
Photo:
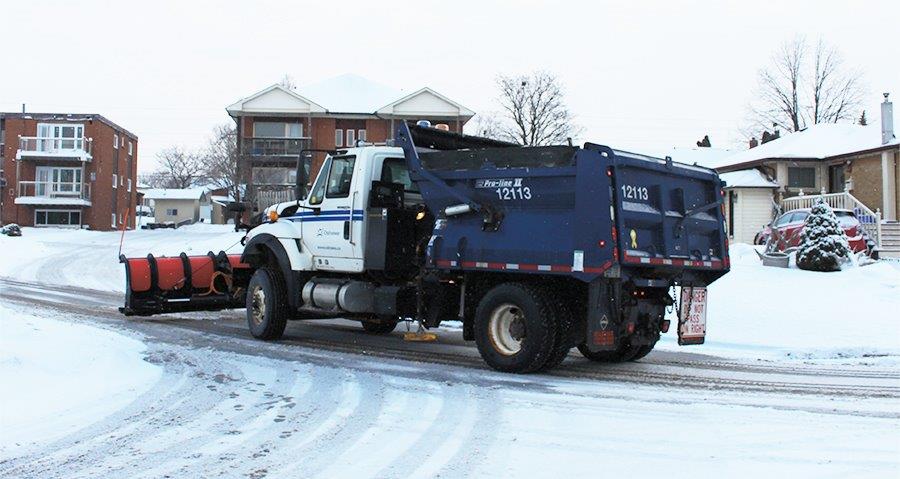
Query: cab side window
[
  {"x": 318, "y": 190},
  {"x": 340, "y": 176},
  {"x": 393, "y": 170}
]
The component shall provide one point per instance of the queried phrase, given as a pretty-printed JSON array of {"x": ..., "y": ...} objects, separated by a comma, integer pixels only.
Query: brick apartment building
[
  {"x": 274, "y": 126},
  {"x": 67, "y": 170}
]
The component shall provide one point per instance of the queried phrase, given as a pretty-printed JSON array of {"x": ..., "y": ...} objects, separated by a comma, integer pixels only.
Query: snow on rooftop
[
  {"x": 350, "y": 93},
  {"x": 173, "y": 194},
  {"x": 817, "y": 142},
  {"x": 697, "y": 155},
  {"x": 751, "y": 178}
]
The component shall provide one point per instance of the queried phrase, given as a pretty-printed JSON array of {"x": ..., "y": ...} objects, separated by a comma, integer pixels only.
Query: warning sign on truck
[{"x": 692, "y": 316}]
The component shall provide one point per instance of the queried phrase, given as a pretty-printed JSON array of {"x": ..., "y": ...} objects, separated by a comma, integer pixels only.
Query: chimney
[
  {"x": 887, "y": 121},
  {"x": 753, "y": 142}
]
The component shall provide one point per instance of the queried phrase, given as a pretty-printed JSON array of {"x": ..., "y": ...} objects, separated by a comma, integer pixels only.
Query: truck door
[{"x": 334, "y": 232}]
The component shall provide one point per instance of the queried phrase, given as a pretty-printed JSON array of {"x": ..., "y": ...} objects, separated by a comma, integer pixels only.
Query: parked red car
[{"x": 790, "y": 226}]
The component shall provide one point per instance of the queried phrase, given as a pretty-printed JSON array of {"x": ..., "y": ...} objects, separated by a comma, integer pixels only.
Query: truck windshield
[{"x": 318, "y": 190}]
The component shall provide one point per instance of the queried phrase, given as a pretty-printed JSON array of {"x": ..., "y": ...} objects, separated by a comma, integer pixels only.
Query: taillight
[
  {"x": 609, "y": 172},
  {"x": 601, "y": 243}
]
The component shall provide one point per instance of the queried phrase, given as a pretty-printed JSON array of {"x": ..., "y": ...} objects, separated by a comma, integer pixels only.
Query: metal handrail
[
  {"x": 54, "y": 144},
  {"x": 55, "y": 189},
  {"x": 870, "y": 220}
]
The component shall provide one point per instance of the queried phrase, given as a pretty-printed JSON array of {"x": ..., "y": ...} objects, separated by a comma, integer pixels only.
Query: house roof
[
  {"x": 817, "y": 142},
  {"x": 73, "y": 117},
  {"x": 697, "y": 155},
  {"x": 348, "y": 94},
  {"x": 751, "y": 178},
  {"x": 174, "y": 194}
]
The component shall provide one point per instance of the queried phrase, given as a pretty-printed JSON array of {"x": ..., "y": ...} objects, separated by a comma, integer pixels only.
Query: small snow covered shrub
[{"x": 823, "y": 244}]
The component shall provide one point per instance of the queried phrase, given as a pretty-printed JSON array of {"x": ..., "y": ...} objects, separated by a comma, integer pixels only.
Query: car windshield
[{"x": 846, "y": 219}]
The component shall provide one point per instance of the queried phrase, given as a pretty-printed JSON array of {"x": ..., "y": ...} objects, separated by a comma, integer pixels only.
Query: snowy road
[{"x": 331, "y": 401}]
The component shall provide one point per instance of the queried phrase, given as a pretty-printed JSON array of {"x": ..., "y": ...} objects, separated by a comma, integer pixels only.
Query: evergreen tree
[
  {"x": 823, "y": 243},
  {"x": 862, "y": 119}
]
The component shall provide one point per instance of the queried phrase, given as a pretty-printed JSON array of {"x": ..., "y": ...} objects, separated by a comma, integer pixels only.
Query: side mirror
[{"x": 386, "y": 195}]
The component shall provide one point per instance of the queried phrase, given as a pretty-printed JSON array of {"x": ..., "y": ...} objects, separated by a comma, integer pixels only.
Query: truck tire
[
  {"x": 267, "y": 310},
  {"x": 382, "y": 326},
  {"x": 515, "y": 330},
  {"x": 564, "y": 341}
]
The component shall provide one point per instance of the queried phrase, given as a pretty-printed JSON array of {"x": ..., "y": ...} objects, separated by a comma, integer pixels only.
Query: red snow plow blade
[{"x": 157, "y": 285}]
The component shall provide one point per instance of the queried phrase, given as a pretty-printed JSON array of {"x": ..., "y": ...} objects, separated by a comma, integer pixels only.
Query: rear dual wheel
[{"x": 519, "y": 328}]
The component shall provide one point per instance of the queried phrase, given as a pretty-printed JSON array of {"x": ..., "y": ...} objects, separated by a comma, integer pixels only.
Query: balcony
[
  {"x": 54, "y": 148},
  {"x": 260, "y": 147},
  {"x": 54, "y": 193}
]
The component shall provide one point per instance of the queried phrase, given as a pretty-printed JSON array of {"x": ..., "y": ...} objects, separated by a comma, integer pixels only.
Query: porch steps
[{"x": 890, "y": 240}]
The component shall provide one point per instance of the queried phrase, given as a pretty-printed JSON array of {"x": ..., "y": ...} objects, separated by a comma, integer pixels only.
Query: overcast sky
[{"x": 638, "y": 75}]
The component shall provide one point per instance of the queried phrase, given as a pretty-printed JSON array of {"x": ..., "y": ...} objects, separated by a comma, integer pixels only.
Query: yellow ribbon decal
[{"x": 633, "y": 239}]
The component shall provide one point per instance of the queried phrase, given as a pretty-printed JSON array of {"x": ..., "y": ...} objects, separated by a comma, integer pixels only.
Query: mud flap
[{"x": 602, "y": 317}]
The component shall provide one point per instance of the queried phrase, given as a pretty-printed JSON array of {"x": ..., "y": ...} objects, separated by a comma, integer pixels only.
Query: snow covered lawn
[
  {"x": 759, "y": 312},
  {"x": 89, "y": 259},
  {"x": 58, "y": 377}
]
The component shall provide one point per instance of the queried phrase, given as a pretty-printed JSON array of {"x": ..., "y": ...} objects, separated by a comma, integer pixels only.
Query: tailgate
[{"x": 668, "y": 214}]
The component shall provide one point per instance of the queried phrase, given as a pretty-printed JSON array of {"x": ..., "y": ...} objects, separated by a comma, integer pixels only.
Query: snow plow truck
[{"x": 535, "y": 249}]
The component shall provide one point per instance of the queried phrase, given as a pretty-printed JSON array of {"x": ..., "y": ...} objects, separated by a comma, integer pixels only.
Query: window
[
  {"x": 318, "y": 189},
  {"x": 129, "y": 185},
  {"x": 338, "y": 138},
  {"x": 847, "y": 219},
  {"x": 785, "y": 219},
  {"x": 115, "y": 141},
  {"x": 393, "y": 170},
  {"x": 799, "y": 217},
  {"x": 60, "y": 136},
  {"x": 361, "y": 135},
  {"x": 56, "y": 181},
  {"x": 351, "y": 138},
  {"x": 340, "y": 176},
  {"x": 122, "y": 180},
  {"x": 804, "y": 177},
  {"x": 130, "y": 148},
  {"x": 274, "y": 176},
  {"x": 113, "y": 220},
  {"x": 277, "y": 129},
  {"x": 171, "y": 211},
  {"x": 57, "y": 218},
  {"x": 115, "y": 180}
]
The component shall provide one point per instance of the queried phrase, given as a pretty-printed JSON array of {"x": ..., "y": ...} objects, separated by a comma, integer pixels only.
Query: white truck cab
[{"x": 326, "y": 231}]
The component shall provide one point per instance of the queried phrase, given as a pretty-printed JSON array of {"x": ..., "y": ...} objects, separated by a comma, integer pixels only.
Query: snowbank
[
  {"x": 59, "y": 377},
  {"x": 89, "y": 259},
  {"x": 759, "y": 312}
]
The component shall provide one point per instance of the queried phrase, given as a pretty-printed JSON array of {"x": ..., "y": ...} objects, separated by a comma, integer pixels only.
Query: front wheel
[
  {"x": 267, "y": 309},
  {"x": 515, "y": 330}
]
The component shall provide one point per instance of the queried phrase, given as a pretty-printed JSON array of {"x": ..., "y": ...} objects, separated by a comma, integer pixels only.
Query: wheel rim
[
  {"x": 258, "y": 305},
  {"x": 507, "y": 329}
]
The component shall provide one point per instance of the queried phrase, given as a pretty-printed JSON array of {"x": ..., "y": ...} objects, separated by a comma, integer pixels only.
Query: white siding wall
[{"x": 752, "y": 211}]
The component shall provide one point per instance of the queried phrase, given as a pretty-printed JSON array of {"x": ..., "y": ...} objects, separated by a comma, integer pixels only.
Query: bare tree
[
  {"x": 177, "y": 169},
  {"x": 220, "y": 161},
  {"x": 288, "y": 82},
  {"x": 486, "y": 125},
  {"x": 534, "y": 110},
  {"x": 802, "y": 87}
]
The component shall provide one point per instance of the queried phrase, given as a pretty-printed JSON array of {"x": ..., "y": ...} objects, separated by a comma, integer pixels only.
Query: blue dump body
[{"x": 571, "y": 211}]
